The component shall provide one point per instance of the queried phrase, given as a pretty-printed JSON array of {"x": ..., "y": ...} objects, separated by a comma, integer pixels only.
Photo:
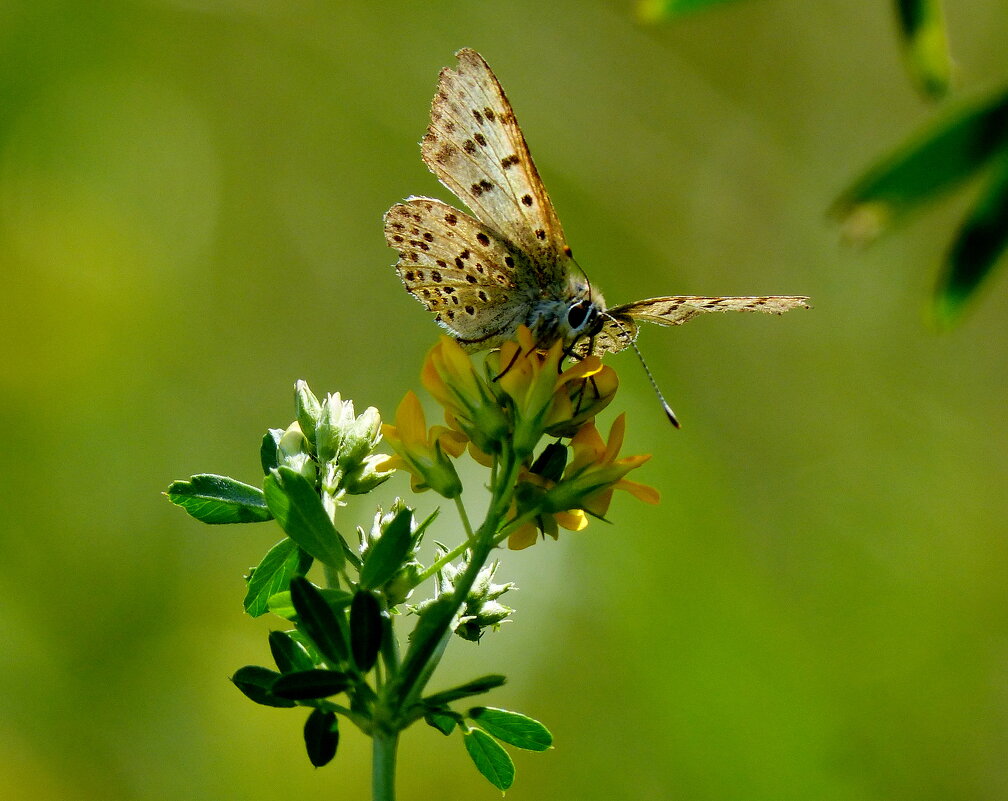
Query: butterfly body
[{"x": 509, "y": 263}]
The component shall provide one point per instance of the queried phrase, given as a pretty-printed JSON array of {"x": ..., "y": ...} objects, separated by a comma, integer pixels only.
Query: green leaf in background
[
  {"x": 980, "y": 243},
  {"x": 941, "y": 156},
  {"x": 474, "y": 687},
  {"x": 512, "y": 728},
  {"x": 366, "y": 629},
  {"x": 318, "y": 621},
  {"x": 657, "y": 10},
  {"x": 306, "y": 685},
  {"x": 925, "y": 41},
  {"x": 288, "y": 653},
  {"x": 280, "y": 564},
  {"x": 386, "y": 556},
  {"x": 490, "y": 758},
  {"x": 321, "y": 736},
  {"x": 268, "y": 456},
  {"x": 219, "y": 499},
  {"x": 441, "y": 721},
  {"x": 299, "y": 511},
  {"x": 257, "y": 683}
]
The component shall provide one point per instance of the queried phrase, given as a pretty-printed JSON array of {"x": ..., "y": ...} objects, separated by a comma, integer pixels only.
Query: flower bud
[{"x": 308, "y": 409}]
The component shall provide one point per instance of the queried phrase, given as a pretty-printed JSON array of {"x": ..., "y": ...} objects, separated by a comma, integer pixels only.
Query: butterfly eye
[{"x": 577, "y": 314}]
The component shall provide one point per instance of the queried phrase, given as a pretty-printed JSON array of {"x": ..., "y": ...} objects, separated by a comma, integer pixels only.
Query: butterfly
[{"x": 507, "y": 264}]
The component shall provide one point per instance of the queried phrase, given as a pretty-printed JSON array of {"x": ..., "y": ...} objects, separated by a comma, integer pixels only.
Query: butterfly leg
[{"x": 510, "y": 364}]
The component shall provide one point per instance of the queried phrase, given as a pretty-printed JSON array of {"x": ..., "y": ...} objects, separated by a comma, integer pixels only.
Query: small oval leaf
[
  {"x": 288, "y": 653},
  {"x": 385, "y": 558},
  {"x": 219, "y": 499},
  {"x": 366, "y": 628},
  {"x": 490, "y": 758},
  {"x": 298, "y": 509},
  {"x": 280, "y": 564},
  {"x": 321, "y": 736},
  {"x": 512, "y": 728},
  {"x": 305, "y": 685},
  {"x": 256, "y": 683},
  {"x": 317, "y": 620}
]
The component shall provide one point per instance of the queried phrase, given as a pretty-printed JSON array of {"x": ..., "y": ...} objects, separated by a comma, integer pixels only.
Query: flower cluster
[
  {"x": 502, "y": 414},
  {"x": 330, "y": 446}
]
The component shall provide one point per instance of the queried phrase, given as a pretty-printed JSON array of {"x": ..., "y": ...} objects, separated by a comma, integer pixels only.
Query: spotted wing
[
  {"x": 458, "y": 268},
  {"x": 476, "y": 149},
  {"x": 619, "y": 331}
]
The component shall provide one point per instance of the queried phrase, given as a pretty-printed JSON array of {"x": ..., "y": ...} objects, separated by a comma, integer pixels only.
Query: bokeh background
[{"x": 190, "y": 219}]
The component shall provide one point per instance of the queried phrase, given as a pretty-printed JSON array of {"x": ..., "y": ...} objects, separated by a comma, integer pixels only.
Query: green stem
[
  {"x": 383, "y": 765},
  {"x": 465, "y": 518}
]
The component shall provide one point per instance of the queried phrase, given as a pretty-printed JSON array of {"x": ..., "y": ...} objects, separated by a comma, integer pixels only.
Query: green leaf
[
  {"x": 288, "y": 653},
  {"x": 321, "y": 736},
  {"x": 979, "y": 244},
  {"x": 299, "y": 511},
  {"x": 268, "y": 450},
  {"x": 922, "y": 23},
  {"x": 431, "y": 628},
  {"x": 490, "y": 758},
  {"x": 318, "y": 621},
  {"x": 385, "y": 558},
  {"x": 304, "y": 685},
  {"x": 658, "y": 10},
  {"x": 366, "y": 628},
  {"x": 510, "y": 727},
  {"x": 257, "y": 683},
  {"x": 281, "y": 605},
  {"x": 280, "y": 564},
  {"x": 442, "y": 721},
  {"x": 474, "y": 687},
  {"x": 937, "y": 159},
  {"x": 219, "y": 499}
]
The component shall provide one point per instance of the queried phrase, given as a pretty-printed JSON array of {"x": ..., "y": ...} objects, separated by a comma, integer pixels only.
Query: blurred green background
[{"x": 190, "y": 219}]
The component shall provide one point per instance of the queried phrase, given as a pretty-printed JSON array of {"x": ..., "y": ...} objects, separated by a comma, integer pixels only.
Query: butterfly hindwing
[
  {"x": 458, "y": 268},
  {"x": 476, "y": 149}
]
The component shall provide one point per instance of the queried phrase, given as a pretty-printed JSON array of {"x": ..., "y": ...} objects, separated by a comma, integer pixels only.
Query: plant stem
[{"x": 383, "y": 764}]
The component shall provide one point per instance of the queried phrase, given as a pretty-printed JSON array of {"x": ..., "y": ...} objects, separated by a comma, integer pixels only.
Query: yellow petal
[
  {"x": 574, "y": 520},
  {"x": 523, "y": 537},
  {"x": 615, "y": 438},
  {"x": 410, "y": 419},
  {"x": 641, "y": 492}
]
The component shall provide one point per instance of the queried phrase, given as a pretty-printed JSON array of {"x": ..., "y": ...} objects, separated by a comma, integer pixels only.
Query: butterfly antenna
[{"x": 647, "y": 370}]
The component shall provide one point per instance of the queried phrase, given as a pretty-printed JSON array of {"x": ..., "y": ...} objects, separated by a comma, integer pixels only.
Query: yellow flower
[
  {"x": 542, "y": 396},
  {"x": 564, "y": 497},
  {"x": 422, "y": 453},
  {"x": 470, "y": 404},
  {"x": 532, "y": 484}
]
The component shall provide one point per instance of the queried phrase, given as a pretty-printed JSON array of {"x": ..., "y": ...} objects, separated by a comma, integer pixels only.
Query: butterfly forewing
[
  {"x": 677, "y": 309},
  {"x": 476, "y": 149},
  {"x": 457, "y": 268}
]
